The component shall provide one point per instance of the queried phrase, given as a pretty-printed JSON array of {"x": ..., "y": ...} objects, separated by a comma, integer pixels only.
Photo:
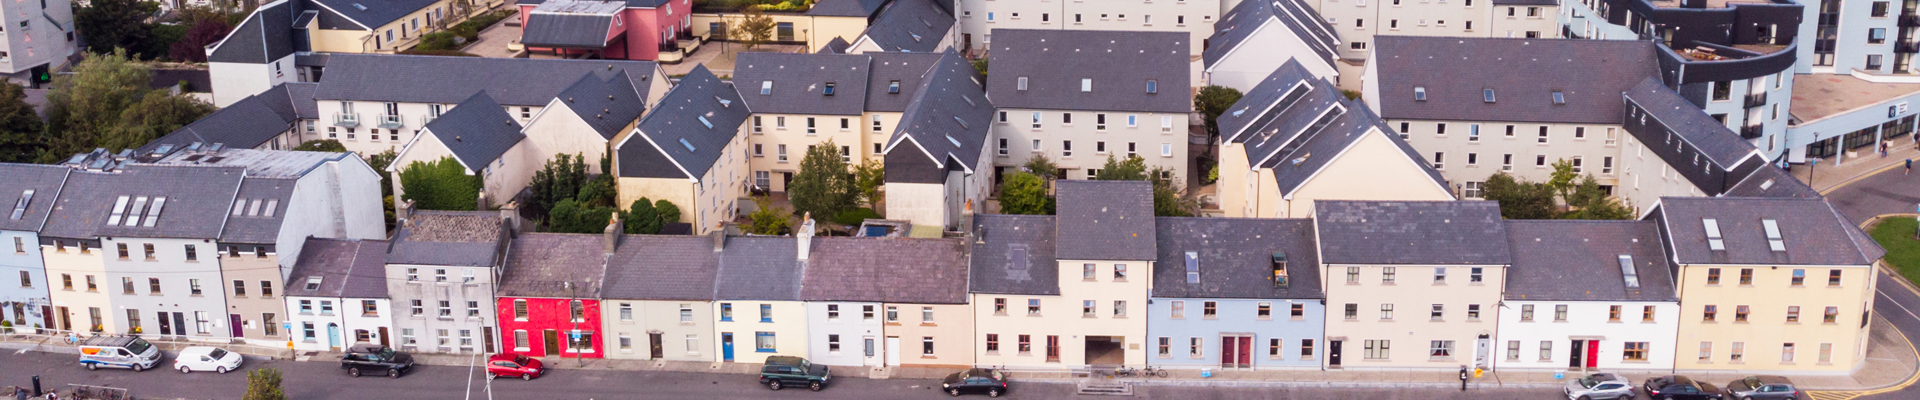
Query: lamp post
[{"x": 573, "y": 335}]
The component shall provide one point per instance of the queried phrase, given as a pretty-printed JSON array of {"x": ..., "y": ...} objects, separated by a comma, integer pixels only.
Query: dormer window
[
  {"x": 20, "y": 207},
  {"x": 1086, "y": 85},
  {"x": 1020, "y": 84},
  {"x": 1193, "y": 267},
  {"x": 1153, "y": 86},
  {"x": 1631, "y": 275},
  {"x": 1487, "y": 94},
  {"x": 893, "y": 86},
  {"x": 766, "y": 88},
  {"x": 313, "y": 283},
  {"x": 829, "y": 90},
  {"x": 1774, "y": 241},
  {"x": 1559, "y": 98},
  {"x": 1714, "y": 241},
  {"x": 1280, "y": 270},
  {"x": 1419, "y": 93}
]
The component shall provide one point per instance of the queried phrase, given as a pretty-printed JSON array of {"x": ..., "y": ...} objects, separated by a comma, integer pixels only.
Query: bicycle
[{"x": 1153, "y": 371}]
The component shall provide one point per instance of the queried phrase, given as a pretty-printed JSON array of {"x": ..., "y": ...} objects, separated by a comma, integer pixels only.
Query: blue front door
[
  {"x": 726, "y": 346},
  {"x": 333, "y": 335}
]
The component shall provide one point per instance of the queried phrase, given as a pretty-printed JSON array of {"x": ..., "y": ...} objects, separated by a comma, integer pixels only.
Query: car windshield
[
  {"x": 138, "y": 346},
  {"x": 1751, "y": 381},
  {"x": 1588, "y": 382},
  {"x": 384, "y": 353},
  {"x": 217, "y": 354},
  {"x": 806, "y": 366}
]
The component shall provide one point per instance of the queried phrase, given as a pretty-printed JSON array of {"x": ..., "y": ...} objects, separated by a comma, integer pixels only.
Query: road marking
[
  {"x": 1850, "y": 181},
  {"x": 1897, "y": 304}
]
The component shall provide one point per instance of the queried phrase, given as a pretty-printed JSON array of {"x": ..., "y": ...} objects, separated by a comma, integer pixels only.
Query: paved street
[{"x": 1891, "y": 191}]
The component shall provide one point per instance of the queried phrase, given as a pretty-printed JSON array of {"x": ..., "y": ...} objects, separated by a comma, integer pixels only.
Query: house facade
[
  {"x": 1587, "y": 296},
  {"x": 1452, "y": 276},
  {"x": 878, "y": 302},
  {"x": 659, "y": 294},
  {"x": 444, "y": 266},
  {"x": 690, "y": 152},
  {"x": 1236, "y": 294},
  {"x": 24, "y": 301},
  {"x": 1094, "y": 95},
  {"x": 757, "y": 298},
  {"x": 618, "y": 30},
  {"x": 800, "y": 101},
  {"x": 336, "y": 296},
  {"x": 485, "y": 141},
  {"x": 1256, "y": 37},
  {"x": 278, "y": 40},
  {"x": 549, "y": 295},
  {"x": 1192, "y": 20}
]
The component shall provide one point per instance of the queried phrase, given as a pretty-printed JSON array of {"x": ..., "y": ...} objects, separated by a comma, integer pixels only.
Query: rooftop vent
[
  {"x": 1420, "y": 93},
  {"x": 1627, "y": 270},
  {"x": 1774, "y": 241},
  {"x": 1020, "y": 84},
  {"x": 1193, "y": 267},
  {"x": 1280, "y": 270},
  {"x": 1086, "y": 85},
  {"x": 20, "y": 207},
  {"x": 1713, "y": 234},
  {"x": 1488, "y": 94},
  {"x": 916, "y": 36}
]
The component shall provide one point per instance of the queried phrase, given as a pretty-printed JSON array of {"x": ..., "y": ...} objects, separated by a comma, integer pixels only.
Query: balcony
[
  {"x": 346, "y": 120},
  {"x": 426, "y": 119},
  {"x": 1906, "y": 47},
  {"x": 1751, "y": 131},
  {"x": 1756, "y": 100},
  {"x": 1909, "y": 20},
  {"x": 391, "y": 121}
]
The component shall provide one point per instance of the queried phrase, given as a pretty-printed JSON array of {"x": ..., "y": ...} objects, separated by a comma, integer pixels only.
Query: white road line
[{"x": 1897, "y": 304}]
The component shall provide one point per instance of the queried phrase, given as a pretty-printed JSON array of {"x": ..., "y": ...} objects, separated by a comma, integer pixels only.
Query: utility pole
[{"x": 573, "y": 295}]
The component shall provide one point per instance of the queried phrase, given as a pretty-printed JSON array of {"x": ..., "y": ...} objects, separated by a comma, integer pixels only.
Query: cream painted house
[
  {"x": 1769, "y": 284},
  {"x": 936, "y": 161},
  {"x": 586, "y": 119},
  {"x": 1080, "y": 97},
  {"x": 657, "y": 299},
  {"x": 980, "y": 18},
  {"x": 908, "y": 26},
  {"x": 1411, "y": 284},
  {"x": 1069, "y": 291},
  {"x": 486, "y": 142},
  {"x": 1314, "y": 145},
  {"x": 816, "y": 27},
  {"x": 757, "y": 298},
  {"x": 1359, "y": 22},
  {"x": 689, "y": 151},
  {"x": 800, "y": 101},
  {"x": 880, "y": 302}
]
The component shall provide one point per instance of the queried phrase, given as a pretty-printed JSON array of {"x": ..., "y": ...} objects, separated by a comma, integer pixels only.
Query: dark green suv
[{"x": 783, "y": 371}]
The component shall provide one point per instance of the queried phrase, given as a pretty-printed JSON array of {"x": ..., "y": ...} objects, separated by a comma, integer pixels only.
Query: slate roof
[
  {"x": 846, "y": 8},
  {"x": 197, "y": 80},
  {"x": 949, "y": 117},
  {"x": 286, "y": 164},
  {"x": 452, "y": 238},
  {"x": 1298, "y": 130},
  {"x": 421, "y": 79},
  {"x": 266, "y": 35},
  {"x": 348, "y": 268},
  {"x": 1119, "y": 63},
  {"x": 799, "y": 81},
  {"x": 1105, "y": 220},
  {"x": 1295, "y": 16},
  {"x": 1267, "y": 100},
  {"x": 1294, "y": 163},
  {"x": 759, "y": 268},
  {"x": 1591, "y": 74},
  {"x": 1013, "y": 254},
  {"x": 908, "y": 68},
  {"x": 198, "y": 199},
  {"x": 478, "y": 131},
  {"x": 1410, "y": 232},
  {"x": 910, "y": 26},
  {"x": 890, "y": 270},
  {"x": 1706, "y": 135},
  {"x": 44, "y": 180},
  {"x": 268, "y": 201},
  {"x": 836, "y": 46},
  {"x": 1235, "y": 258},
  {"x": 571, "y": 23},
  {"x": 1770, "y": 181},
  {"x": 373, "y": 14},
  {"x": 1813, "y": 232},
  {"x": 649, "y": 267},
  {"x": 543, "y": 264},
  {"x": 606, "y": 101},
  {"x": 674, "y": 136},
  {"x": 248, "y": 123},
  {"x": 1580, "y": 261}
]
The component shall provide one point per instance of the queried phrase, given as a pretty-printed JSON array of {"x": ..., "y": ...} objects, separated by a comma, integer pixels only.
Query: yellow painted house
[{"x": 688, "y": 151}]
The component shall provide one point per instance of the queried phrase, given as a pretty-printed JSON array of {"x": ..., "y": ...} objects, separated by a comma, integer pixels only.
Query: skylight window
[
  {"x": 704, "y": 121},
  {"x": 956, "y": 142},
  {"x": 133, "y": 212},
  {"x": 829, "y": 90},
  {"x": 153, "y": 212},
  {"x": 1153, "y": 86},
  {"x": 724, "y": 103},
  {"x": 271, "y": 206},
  {"x": 916, "y": 36},
  {"x": 1086, "y": 85},
  {"x": 1774, "y": 241},
  {"x": 1239, "y": 112},
  {"x": 1420, "y": 93},
  {"x": 1020, "y": 84},
  {"x": 1193, "y": 267},
  {"x": 119, "y": 209},
  {"x": 1559, "y": 98},
  {"x": 963, "y": 125},
  {"x": 969, "y": 100},
  {"x": 1626, "y": 269},
  {"x": 893, "y": 87},
  {"x": 1714, "y": 241},
  {"x": 313, "y": 283},
  {"x": 684, "y": 142},
  {"x": 20, "y": 207},
  {"x": 1488, "y": 94},
  {"x": 766, "y": 88}
]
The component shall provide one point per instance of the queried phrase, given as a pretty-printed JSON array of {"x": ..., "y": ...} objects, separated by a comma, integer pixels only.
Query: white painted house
[
  {"x": 337, "y": 295},
  {"x": 1587, "y": 296}
]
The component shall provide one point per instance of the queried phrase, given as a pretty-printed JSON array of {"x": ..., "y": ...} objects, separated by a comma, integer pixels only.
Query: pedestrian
[
  {"x": 1909, "y": 167},
  {"x": 1883, "y": 149}
]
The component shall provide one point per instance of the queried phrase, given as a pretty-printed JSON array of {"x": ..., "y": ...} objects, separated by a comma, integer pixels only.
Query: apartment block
[
  {"x": 1193, "y": 19},
  {"x": 290, "y": 40},
  {"x": 1389, "y": 263},
  {"x": 1081, "y": 97}
]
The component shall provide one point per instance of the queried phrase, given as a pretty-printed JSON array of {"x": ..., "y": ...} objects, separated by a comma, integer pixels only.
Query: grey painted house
[{"x": 444, "y": 265}]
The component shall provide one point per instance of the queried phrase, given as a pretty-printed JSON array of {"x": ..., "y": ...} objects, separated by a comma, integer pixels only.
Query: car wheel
[
  {"x": 93, "y": 366},
  {"x": 953, "y": 392},
  {"x": 993, "y": 392},
  {"x": 816, "y": 386},
  {"x": 220, "y": 370},
  {"x": 138, "y": 368},
  {"x": 184, "y": 369},
  {"x": 393, "y": 373},
  {"x": 775, "y": 385},
  {"x": 526, "y": 377},
  {"x": 1586, "y": 397},
  {"x": 353, "y": 372}
]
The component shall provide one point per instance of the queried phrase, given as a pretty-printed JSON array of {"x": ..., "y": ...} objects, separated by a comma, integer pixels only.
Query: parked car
[
  {"x": 118, "y": 352},
  {"x": 976, "y": 380},
  {"x": 203, "y": 358},
  {"x": 782, "y": 371},
  {"x": 1602, "y": 386},
  {"x": 1679, "y": 387},
  {"x": 514, "y": 365},
  {"x": 375, "y": 358},
  {"x": 1763, "y": 387}
]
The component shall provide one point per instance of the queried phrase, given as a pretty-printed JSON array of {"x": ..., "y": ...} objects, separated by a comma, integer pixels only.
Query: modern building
[
  {"x": 659, "y": 290},
  {"x": 30, "y": 62},
  {"x": 690, "y": 151},
  {"x": 1192, "y": 20},
  {"x": 616, "y": 30},
  {"x": 1129, "y": 90},
  {"x": 1587, "y": 296},
  {"x": 888, "y": 302},
  {"x": 1257, "y": 37},
  {"x": 336, "y": 296},
  {"x": 1455, "y": 263},
  {"x": 549, "y": 294},
  {"x": 800, "y": 101},
  {"x": 936, "y": 158},
  {"x": 1236, "y": 293},
  {"x": 1693, "y": 154},
  {"x": 443, "y": 267},
  {"x": 756, "y": 295},
  {"x": 483, "y": 138},
  {"x": 33, "y": 188},
  {"x": 1294, "y": 139},
  {"x": 1359, "y": 23}
]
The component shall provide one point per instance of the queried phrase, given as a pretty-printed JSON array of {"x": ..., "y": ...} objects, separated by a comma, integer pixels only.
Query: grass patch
[{"x": 1903, "y": 253}]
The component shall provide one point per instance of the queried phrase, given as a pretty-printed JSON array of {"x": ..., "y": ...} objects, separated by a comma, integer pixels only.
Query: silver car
[{"x": 1602, "y": 386}]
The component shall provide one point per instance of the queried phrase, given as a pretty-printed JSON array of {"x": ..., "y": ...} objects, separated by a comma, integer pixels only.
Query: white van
[{"x": 118, "y": 352}]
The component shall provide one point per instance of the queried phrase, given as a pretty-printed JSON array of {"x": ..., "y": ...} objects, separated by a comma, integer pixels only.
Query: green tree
[
  {"x": 159, "y": 41},
  {"x": 1563, "y": 179},
  {"x": 571, "y": 216},
  {"x": 1589, "y": 202},
  {"x": 754, "y": 28},
  {"x": 767, "y": 219},
  {"x": 328, "y": 145},
  {"x": 264, "y": 384},
  {"x": 1133, "y": 168},
  {"x": 1041, "y": 166},
  {"x": 84, "y": 108},
  {"x": 440, "y": 185},
  {"x": 156, "y": 114},
  {"x": 193, "y": 47},
  {"x": 981, "y": 65},
  {"x": 598, "y": 191},
  {"x": 21, "y": 131},
  {"x": 1212, "y": 101},
  {"x": 1169, "y": 198},
  {"x": 379, "y": 162},
  {"x": 869, "y": 177},
  {"x": 561, "y": 179},
  {"x": 114, "y": 24},
  {"x": 641, "y": 218},
  {"x": 1519, "y": 199},
  {"x": 668, "y": 212},
  {"x": 1024, "y": 193},
  {"x": 824, "y": 186}
]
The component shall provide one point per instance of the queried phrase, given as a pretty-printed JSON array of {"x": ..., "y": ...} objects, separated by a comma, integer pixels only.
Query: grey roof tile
[
  {"x": 1296, "y": 124},
  {"x": 1707, "y": 136},
  {"x": 1233, "y": 30},
  {"x": 1294, "y": 163},
  {"x": 607, "y": 102},
  {"x": 1013, "y": 254},
  {"x": 266, "y": 35},
  {"x": 420, "y": 79},
  {"x": 677, "y": 133},
  {"x": 45, "y": 181},
  {"x": 949, "y": 117},
  {"x": 838, "y": 45},
  {"x": 452, "y": 238},
  {"x": 1580, "y": 260},
  {"x": 248, "y": 123},
  {"x": 910, "y": 26},
  {"x": 1770, "y": 181},
  {"x": 571, "y": 23},
  {"x": 1234, "y": 258},
  {"x": 1410, "y": 232},
  {"x": 892, "y": 270},
  {"x": 478, "y": 131},
  {"x": 649, "y": 267},
  {"x": 799, "y": 82},
  {"x": 1119, "y": 62},
  {"x": 759, "y": 268},
  {"x": 1592, "y": 74},
  {"x": 555, "y": 265},
  {"x": 908, "y": 68},
  {"x": 1280, "y": 91},
  {"x": 373, "y": 14},
  {"x": 1105, "y": 220},
  {"x": 348, "y": 268},
  {"x": 1812, "y": 232},
  {"x": 198, "y": 199},
  {"x": 268, "y": 201},
  {"x": 845, "y": 8}
]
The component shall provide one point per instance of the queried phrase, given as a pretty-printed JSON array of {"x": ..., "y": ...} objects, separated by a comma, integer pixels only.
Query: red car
[{"x": 510, "y": 365}]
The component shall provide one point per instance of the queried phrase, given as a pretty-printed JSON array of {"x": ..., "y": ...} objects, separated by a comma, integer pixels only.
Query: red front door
[
  {"x": 1593, "y": 354},
  {"x": 1246, "y": 350},
  {"x": 1236, "y": 351}
]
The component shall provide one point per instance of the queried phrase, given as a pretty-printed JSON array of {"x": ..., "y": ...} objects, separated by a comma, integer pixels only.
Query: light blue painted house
[
  {"x": 26, "y": 197},
  {"x": 1233, "y": 293}
]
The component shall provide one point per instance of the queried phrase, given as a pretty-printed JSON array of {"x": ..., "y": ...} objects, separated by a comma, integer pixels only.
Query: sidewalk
[{"x": 1827, "y": 176}]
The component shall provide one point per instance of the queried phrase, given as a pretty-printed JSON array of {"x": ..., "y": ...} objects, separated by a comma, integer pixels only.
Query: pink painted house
[{"x": 617, "y": 29}]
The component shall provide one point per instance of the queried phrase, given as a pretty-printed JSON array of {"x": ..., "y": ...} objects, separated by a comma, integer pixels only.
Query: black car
[
  {"x": 1677, "y": 387},
  {"x": 976, "y": 380},
  {"x": 1763, "y": 387},
  {"x": 783, "y": 371},
  {"x": 373, "y": 358}
]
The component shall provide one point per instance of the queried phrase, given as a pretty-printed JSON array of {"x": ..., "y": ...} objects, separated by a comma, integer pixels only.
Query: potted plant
[
  {"x": 97, "y": 328},
  {"x": 134, "y": 331},
  {"x": 6, "y": 326}
]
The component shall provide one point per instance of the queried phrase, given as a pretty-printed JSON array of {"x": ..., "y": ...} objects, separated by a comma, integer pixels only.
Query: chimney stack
[
  {"x": 612, "y": 235},
  {"x": 510, "y": 213},
  {"x": 481, "y": 202},
  {"x": 805, "y": 234},
  {"x": 403, "y": 210},
  {"x": 719, "y": 239}
]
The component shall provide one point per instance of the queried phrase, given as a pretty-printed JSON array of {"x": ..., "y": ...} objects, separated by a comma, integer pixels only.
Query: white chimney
[{"x": 805, "y": 234}]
